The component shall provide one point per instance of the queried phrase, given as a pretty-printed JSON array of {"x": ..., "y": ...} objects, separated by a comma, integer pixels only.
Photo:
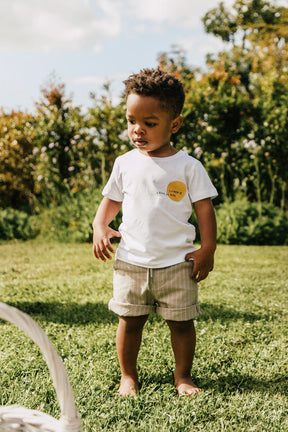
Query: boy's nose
[{"x": 138, "y": 129}]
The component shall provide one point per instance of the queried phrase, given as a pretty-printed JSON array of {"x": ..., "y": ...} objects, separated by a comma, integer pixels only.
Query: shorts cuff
[
  {"x": 180, "y": 314},
  {"x": 125, "y": 309}
]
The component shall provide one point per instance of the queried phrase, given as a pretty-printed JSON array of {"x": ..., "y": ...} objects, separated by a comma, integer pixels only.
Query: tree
[
  {"x": 17, "y": 183},
  {"x": 61, "y": 141},
  {"x": 107, "y": 128},
  {"x": 258, "y": 31},
  {"x": 257, "y": 22}
]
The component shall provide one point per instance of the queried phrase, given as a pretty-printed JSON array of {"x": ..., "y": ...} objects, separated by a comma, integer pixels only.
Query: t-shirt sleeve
[
  {"x": 200, "y": 185},
  {"x": 113, "y": 188}
]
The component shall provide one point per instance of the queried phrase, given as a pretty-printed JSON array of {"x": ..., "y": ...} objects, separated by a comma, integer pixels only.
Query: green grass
[{"x": 241, "y": 353}]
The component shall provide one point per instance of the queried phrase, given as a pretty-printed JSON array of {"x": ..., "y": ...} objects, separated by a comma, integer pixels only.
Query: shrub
[
  {"x": 240, "y": 222},
  {"x": 69, "y": 222},
  {"x": 72, "y": 220},
  {"x": 16, "y": 224}
]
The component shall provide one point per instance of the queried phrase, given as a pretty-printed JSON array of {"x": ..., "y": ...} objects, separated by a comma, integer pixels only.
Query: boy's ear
[{"x": 176, "y": 123}]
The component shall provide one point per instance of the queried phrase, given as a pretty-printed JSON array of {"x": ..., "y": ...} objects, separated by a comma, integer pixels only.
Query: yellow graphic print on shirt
[{"x": 176, "y": 190}]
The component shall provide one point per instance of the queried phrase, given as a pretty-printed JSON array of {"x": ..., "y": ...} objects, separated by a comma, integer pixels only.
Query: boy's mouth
[{"x": 139, "y": 142}]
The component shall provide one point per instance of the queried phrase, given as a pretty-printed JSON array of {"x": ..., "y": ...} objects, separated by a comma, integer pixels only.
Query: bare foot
[
  {"x": 186, "y": 387},
  {"x": 128, "y": 386}
]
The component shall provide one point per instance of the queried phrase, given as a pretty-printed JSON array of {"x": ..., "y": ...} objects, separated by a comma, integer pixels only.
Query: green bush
[
  {"x": 242, "y": 222},
  {"x": 72, "y": 220},
  {"x": 16, "y": 224},
  {"x": 69, "y": 222}
]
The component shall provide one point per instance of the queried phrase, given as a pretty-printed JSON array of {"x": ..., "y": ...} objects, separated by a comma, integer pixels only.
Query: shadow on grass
[
  {"x": 229, "y": 384},
  {"x": 73, "y": 313},
  {"x": 243, "y": 383},
  {"x": 67, "y": 313},
  {"x": 222, "y": 313}
]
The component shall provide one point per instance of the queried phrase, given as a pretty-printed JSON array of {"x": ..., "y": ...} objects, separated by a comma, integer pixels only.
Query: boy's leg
[
  {"x": 183, "y": 339},
  {"x": 128, "y": 341}
]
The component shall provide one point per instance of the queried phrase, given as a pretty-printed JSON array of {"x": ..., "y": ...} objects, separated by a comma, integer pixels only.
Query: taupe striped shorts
[{"x": 169, "y": 292}]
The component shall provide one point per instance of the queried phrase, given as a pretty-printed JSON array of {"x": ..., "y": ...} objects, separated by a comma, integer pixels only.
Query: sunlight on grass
[{"x": 241, "y": 353}]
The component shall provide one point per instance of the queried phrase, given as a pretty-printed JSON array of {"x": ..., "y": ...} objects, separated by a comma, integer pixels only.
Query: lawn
[{"x": 241, "y": 354}]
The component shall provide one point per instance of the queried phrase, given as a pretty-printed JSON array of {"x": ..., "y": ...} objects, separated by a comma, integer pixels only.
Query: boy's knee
[
  {"x": 181, "y": 326},
  {"x": 132, "y": 324}
]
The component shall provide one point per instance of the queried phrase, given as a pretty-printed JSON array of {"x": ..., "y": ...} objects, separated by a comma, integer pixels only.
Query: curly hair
[{"x": 159, "y": 84}]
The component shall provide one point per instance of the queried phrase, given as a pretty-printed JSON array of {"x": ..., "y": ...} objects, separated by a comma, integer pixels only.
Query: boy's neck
[{"x": 169, "y": 151}]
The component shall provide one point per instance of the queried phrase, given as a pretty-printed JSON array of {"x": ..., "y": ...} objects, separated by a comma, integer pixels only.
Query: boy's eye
[{"x": 148, "y": 124}]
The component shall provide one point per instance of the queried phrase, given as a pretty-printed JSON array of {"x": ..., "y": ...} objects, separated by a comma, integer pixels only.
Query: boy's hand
[
  {"x": 203, "y": 263},
  {"x": 101, "y": 242},
  {"x": 204, "y": 257}
]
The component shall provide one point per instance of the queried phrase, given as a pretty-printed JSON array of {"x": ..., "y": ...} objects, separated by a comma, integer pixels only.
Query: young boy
[{"x": 156, "y": 268}]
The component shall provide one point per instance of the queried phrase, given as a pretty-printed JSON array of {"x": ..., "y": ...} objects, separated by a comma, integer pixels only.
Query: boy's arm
[
  {"x": 204, "y": 257},
  {"x": 102, "y": 233}
]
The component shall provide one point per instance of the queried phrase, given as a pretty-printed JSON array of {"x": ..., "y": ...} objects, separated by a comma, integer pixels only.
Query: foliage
[
  {"x": 59, "y": 151},
  {"x": 108, "y": 135},
  {"x": 72, "y": 220},
  {"x": 241, "y": 353},
  {"x": 259, "y": 33},
  {"x": 242, "y": 222},
  {"x": 248, "y": 21},
  {"x": 61, "y": 141},
  {"x": 17, "y": 183},
  {"x": 16, "y": 224}
]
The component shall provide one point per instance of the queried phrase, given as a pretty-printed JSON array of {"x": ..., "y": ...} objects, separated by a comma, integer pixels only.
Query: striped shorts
[{"x": 169, "y": 292}]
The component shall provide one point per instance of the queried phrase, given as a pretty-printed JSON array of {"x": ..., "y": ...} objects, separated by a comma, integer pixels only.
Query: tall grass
[{"x": 241, "y": 354}]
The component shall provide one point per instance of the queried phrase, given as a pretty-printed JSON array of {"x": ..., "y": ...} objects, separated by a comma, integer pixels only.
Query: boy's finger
[
  {"x": 107, "y": 254},
  {"x": 109, "y": 247},
  {"x": 101, "y": 252},
  {"x": 116, "y": 233},
  {"x": 95, "y": 252},
  {"x": 191, "y": 260},
  {"x": 202, "y": 275},
  {"x": 101, "y": 255},
  {"x": 189, "y": 257},
  {"x": 194, "y": 272}
]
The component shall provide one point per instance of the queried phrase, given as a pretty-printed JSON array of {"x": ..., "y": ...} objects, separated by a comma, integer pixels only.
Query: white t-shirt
[{"x": 157, "y": 195}]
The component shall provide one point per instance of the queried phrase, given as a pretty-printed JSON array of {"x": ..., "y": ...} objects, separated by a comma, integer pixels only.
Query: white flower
[
  {"x": 51, "y": 145},
  {"x": 250, "y": 144},
  {"x": 71, "y": 168},
  {"x": 123, "y": 135}
]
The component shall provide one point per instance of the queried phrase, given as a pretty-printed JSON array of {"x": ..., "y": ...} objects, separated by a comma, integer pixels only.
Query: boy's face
[{"x": 149, "y": 126}]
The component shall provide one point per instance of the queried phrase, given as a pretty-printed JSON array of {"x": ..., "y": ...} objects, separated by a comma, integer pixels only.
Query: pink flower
[{"x": 198, "y": 150}]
